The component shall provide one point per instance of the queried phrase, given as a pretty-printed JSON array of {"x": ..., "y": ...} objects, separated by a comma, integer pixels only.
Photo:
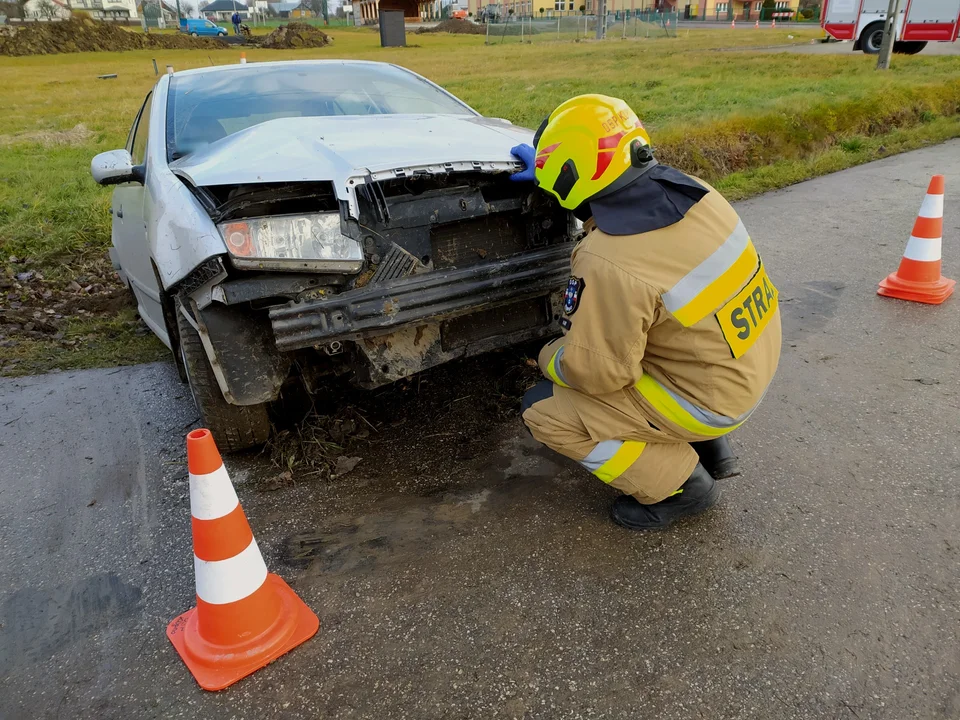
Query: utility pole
[
  {"x": 178, "y": 12},
  {"x": 601, "y": 19},
  {"x": 889, "y": 33}
]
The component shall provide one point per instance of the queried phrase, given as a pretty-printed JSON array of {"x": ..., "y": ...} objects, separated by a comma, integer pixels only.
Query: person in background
[{"x": 236, "y": 23}]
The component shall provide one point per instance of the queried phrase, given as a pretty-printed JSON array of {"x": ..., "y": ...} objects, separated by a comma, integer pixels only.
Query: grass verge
[{"x": 746, "y": 121}]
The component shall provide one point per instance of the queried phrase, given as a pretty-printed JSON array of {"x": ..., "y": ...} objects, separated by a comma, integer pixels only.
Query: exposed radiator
[
  {"x": 397, "y": 263},
  {"x": 471, "y": 242}
]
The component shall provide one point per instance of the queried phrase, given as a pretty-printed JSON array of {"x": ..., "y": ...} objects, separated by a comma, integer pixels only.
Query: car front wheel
[
  {"x": 193, "y": 34},
  {"x": 234, "y": 427}
]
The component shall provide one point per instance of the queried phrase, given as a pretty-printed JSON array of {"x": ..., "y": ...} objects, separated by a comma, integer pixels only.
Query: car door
[{"x": 130, "y": 230}]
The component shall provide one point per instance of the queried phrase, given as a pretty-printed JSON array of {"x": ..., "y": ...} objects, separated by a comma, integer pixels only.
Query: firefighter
[{"x": 671, "y": 325}]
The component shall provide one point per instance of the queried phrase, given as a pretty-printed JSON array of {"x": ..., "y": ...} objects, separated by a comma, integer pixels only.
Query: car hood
[{"x": 339, "y": 148}]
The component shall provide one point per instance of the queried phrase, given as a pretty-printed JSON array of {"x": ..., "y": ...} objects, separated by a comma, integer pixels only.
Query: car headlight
[{"x": 292, "y": 242}]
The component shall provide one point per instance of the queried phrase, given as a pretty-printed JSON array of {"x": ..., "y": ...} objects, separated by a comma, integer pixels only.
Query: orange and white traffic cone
[
  {"x": 773, "y": 23},
  {"x": 245, "y": 617},
  {"x": 243, "y": 58},
  {"x": 733, "y": 24},
  {"x": 918, "y": 277},
  {"x": 757, "y": 24}
]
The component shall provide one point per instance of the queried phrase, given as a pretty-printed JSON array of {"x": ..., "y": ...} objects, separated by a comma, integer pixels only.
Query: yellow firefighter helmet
[{"x": 586, "y": 145}]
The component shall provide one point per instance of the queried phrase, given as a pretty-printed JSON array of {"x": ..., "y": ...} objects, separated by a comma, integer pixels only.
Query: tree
[
  {"x": 47, "y": 9},
  {"x": 583, "y": 9},
  {"x": 542, "y": 11},
  {"x": 201, "y": 5}
]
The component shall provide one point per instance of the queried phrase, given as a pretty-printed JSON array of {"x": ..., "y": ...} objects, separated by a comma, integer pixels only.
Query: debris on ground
[
  {"x": 316, "y": 446},
  {"x": 295, "y": 35},
  {"x": 36, "y": 307},
  {"x": 406, "y": 429},
  {"x": 83, "y": 34},
  {"x": 455, "y": 26}
]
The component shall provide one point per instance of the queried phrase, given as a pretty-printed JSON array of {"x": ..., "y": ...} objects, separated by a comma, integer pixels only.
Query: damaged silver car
[{"x": 278, "y": 222}]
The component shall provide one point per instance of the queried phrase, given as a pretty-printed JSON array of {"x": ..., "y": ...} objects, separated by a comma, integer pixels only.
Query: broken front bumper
[{"x": 419, "y": 299}]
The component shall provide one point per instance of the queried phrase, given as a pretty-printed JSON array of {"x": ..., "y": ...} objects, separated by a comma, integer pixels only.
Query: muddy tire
[
  {"x": 234, "y": 427},
  {"x": 871, "y": 39}
]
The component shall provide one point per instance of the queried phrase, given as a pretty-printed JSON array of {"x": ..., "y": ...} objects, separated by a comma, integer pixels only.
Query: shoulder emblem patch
[{"x": 571, "y": 297}]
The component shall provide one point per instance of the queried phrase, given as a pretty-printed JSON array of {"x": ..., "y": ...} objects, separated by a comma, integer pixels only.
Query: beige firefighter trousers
[{"x": 616, "y": 437}]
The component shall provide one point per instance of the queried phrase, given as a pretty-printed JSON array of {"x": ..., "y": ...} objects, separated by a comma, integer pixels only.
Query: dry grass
[
  {"x": 79, "y": 134},
  {"x": 748, "y": 121}
]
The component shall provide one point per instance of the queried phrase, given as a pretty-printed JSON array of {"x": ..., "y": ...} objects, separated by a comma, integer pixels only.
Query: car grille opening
[
  {"x": 471, "y": 242},
  {"x": 493, "y": 322}
]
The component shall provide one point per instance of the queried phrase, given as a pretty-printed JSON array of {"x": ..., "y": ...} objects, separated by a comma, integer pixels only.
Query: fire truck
[{"x": 919, "y": 22}]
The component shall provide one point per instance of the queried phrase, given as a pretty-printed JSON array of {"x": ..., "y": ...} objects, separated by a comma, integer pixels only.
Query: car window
[
  {"x": 138, "y": 149},
  {"x": 133, "y": 128},
  {"x": 209, "y": 24},
  {"x": 207, "y": 107}
]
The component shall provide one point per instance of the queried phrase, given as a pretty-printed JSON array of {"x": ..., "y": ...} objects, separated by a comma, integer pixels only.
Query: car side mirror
[{"x": 115, "y": 167}]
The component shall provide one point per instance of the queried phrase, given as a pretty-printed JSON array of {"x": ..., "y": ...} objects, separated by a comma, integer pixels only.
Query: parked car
[
  {"x": 201, "y": 28},
  {"x": 286, "y": 220}
]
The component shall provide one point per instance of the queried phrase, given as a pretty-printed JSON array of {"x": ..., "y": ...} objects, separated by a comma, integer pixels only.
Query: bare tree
[{"x": 47, "y": 9}]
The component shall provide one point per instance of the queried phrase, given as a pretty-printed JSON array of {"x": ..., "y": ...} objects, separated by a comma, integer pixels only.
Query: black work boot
[
  {"x": 717, "y": 457},
  {"x": 697, "y": 494}
]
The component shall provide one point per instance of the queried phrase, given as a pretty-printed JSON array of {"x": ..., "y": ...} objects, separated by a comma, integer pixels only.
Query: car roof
[{"x": 292, "y": 64}]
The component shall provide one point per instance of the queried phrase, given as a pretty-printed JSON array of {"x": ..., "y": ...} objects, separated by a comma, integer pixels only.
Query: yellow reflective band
[
  {"x": 744, "y": 318},
  {"x": 665, "y": 404},
  {"x": 718, "y": 291},
  {"x": 622, "y": 459},
  {"x": 552, "y": 369}
]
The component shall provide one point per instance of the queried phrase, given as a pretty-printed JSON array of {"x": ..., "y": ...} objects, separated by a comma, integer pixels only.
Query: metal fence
[{"x": 581, "y": 27}]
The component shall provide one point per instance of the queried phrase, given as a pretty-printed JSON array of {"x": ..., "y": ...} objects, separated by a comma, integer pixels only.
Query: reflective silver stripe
[
  {"x": 600, "y": 454},
  {"x": 698, "y": 279},
  {"x": 705, "y": 416},
  {"x": 710, "y": 418}
]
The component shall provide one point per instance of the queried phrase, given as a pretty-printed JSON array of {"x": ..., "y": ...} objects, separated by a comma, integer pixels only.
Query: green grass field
[{"x": 746, "y": 120}]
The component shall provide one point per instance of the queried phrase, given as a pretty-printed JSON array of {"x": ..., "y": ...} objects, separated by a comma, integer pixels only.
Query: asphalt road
[{"x": 482, "y": 578}]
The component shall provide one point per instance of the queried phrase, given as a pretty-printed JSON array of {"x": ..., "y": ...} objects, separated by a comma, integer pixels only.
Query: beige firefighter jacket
[{"x": 686, "y": 316}]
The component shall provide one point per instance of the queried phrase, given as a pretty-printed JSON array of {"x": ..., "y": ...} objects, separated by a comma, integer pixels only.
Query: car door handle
[{"x": 120, "y": 213}]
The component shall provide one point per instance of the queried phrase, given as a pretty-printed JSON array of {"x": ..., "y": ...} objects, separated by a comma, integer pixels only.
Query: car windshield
[{"x": 206, "y": 107}]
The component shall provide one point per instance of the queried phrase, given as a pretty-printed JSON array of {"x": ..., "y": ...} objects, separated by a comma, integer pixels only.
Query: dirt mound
[
  {"x": 455, "y": 26},
  {"x": 82, "y": 34},
  {"x": 295, "y": 35}
]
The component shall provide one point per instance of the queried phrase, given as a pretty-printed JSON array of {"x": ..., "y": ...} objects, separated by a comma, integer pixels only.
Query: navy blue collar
[{"x": 657, "y": 199}]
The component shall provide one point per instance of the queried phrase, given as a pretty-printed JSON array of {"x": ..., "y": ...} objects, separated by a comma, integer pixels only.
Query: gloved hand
[{"x": 528, "y": 156}]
